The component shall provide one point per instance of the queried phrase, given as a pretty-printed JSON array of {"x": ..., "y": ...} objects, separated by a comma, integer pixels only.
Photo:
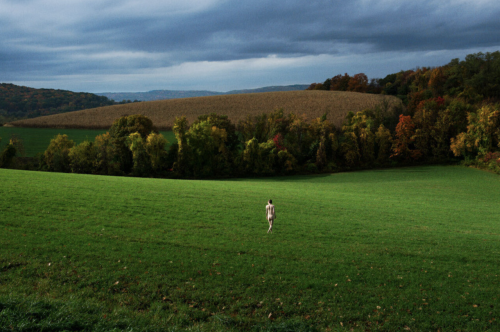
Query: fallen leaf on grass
[
  {"x": 116, "y": 283},
  {"x": 269, "y": 315}
]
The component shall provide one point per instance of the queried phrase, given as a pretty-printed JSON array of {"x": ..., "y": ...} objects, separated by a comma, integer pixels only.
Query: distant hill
[
  {"x": 174, "y": 94},
  {"x": 18, "y": 102},
  {"x": 312, "y": 104}
]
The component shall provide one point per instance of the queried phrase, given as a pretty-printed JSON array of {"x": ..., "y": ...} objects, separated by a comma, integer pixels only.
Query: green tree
[
  {"x": 209, "y": 153},
  {"x": 7, "y": 155},
  {"x": 141, "y": 159},
  {"x": 359, "y": 136},
  {"x": 83, "y": 158},
  {"x": 183, "y": 153},
  {"x": 57, "y": 154},
  {"x": 155, "y": 147},
  {"x": 120, "y": 131},
  {"x": 105, "y": 161},
  {"x": 383, "y": 140}
]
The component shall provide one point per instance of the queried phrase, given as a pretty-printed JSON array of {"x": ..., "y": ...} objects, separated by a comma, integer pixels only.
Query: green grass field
[
  {"x": 402, "y": 249},
  {"x": 36, "y": 140}
]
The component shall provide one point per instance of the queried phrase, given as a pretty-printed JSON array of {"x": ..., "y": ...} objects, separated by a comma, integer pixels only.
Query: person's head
[{"x": 270, "y": 201}]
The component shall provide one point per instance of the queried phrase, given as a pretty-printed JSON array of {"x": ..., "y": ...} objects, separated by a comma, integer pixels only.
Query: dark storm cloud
[{"x": 57, "y": 38}]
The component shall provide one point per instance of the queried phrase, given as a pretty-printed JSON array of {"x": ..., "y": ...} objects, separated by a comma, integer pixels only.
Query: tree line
[
  {"x": 440, "y": 130},
  {"x": 476, "y": 78}
]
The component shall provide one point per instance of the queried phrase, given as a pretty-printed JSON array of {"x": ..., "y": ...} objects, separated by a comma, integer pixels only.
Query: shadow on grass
[{"x": 33, "y": 314}]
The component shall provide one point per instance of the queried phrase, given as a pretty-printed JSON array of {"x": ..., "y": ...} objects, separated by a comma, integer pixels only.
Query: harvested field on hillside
[{"x": 313, "y": 104}]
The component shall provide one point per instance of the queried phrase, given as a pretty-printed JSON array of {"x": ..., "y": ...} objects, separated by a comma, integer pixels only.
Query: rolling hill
[
  {"x": 174, "y": 94},
  {"x": 313, "y": 104},
  {"x": 24, "y": 102}
]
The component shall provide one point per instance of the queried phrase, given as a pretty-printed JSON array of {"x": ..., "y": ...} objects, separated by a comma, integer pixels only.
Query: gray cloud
[{"x": 49, "y": 38}]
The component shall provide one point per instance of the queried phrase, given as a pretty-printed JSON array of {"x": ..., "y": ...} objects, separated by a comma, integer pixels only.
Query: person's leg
[{"x": 270, "y": 225}]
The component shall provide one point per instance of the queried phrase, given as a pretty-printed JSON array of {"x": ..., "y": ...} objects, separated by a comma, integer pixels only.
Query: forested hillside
[
  {"x": 474, "y": 79},
  {"x": 19, "y": 102}
]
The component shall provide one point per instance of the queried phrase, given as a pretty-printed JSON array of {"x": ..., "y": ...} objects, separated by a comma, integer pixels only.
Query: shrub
[{"x": 7, "y": 155}]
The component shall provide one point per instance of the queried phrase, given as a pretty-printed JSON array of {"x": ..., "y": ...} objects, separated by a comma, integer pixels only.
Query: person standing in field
[{"x": 270, "y": 215}]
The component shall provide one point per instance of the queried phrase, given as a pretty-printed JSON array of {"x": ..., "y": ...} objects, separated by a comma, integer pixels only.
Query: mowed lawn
[
  {"x": 401, "y": 249},
  {"x": 36, "y": 140}
]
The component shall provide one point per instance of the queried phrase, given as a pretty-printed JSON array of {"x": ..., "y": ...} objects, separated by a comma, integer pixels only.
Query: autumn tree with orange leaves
[{"x": 403, "y": 143}]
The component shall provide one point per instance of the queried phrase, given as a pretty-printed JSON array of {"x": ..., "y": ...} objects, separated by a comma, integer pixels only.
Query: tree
[
  {"x": 358, "y": 83},
  {"x": 340, "y": 83},
  {"x": 252, "y": 157},
  {"x": 383, "y": 140},
  {"x": 359, "y": 127},
  {"x": 299, "y": 140},
  {"x": 7, "y": 155},
  {"x": 121, "y": 129},
  {"x": 350, "y": 149},
  {"x": 402, "y": 146},
  {"x": 155, "y": 147},
  {"x": 183, "y": 153},
  {"x": 141, "y": 159},
  {"x": 57, "y": 154},
  {"x": 105, "y": 161},
  {"x": 483, "y": 133},
  {"x": 83, "y": 158},
  {"x": 437, "y": 81}
]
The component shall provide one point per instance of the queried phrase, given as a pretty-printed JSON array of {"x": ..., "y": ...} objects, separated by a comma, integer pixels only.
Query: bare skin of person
[{"x": 270, "y": 215}]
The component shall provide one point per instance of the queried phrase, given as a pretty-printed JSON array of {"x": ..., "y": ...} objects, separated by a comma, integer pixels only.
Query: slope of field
[
  {"x": 311, "y": 103},
  {"x": 412, "y": 249},
  {"x": 36, "y": 140}
]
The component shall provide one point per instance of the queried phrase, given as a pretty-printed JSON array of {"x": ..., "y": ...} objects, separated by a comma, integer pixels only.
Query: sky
[{"x": 221, "y": 45}]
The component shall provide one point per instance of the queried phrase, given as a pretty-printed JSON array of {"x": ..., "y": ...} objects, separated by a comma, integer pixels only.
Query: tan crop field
[{"x": 312, "y": 104}]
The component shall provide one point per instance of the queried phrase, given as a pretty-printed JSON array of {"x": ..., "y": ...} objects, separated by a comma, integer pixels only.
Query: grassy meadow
[
  {"x": 36, "y": 140},
  {"x": 382, "y": 250},
  {"x": 237, "y": 107}
]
